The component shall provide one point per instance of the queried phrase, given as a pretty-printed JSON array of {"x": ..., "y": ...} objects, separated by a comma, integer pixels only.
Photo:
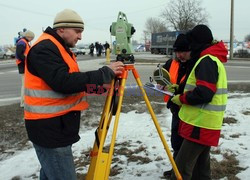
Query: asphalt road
[{"x": 10, "y": 81}]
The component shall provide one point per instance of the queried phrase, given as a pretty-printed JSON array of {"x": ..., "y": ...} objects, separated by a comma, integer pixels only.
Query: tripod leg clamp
[{"x": 97, "y": 138}]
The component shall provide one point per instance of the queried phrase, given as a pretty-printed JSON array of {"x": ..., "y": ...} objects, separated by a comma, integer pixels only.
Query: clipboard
[{"x": 155, "y": 88}]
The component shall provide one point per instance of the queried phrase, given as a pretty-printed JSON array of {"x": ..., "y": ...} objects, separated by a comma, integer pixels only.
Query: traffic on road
[{"x": 237, "y": 72}]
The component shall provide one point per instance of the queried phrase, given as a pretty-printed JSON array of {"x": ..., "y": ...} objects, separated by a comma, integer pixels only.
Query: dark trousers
[
  {"x": 193, "y": 161},
  {"x": 176, "y": 139}
]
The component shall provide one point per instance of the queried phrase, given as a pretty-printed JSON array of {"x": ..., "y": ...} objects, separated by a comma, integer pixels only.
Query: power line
[
  {"x": 25, "y": 10},
  {"x": 99, "y": 29},
  {"x": 108, "y": 17},
  {"x": 132, "y": 12}
]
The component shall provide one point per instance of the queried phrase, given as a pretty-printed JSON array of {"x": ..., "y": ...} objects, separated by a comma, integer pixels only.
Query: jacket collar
[{"x": 53, "y": 33}]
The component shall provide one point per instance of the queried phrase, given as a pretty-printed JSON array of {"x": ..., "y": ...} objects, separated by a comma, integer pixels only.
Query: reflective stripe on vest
[
  {"x": 46, "y": 94},
  {"x": 210, "y": 115},
  {"x": 27, "y": 48},
  {"x": 173, "y": 71},
  {"x": 51, "y": 109},
  {"x": 41, "y": 101}
]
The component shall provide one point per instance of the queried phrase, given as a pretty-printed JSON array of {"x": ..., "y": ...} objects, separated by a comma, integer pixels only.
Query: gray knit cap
[
  {"x": 68, "y": 19},
  {"x": 29, "y": 33}
]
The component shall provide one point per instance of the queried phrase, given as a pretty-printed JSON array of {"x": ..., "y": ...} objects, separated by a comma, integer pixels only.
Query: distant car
[
  {"x": 74, "y": 50},
  {"x": 10, "y": 54},
  {"x": 3, "y": 54},
  {"x": 140, "y": 48},
  {"x": 77, "y": 51},
  {"x": 83, "y": 50}
]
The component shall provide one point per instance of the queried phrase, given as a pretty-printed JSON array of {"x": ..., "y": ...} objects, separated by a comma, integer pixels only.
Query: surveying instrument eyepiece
[
  {"x": 123, "y": 31},
  {"x": 101, "y": 159}
]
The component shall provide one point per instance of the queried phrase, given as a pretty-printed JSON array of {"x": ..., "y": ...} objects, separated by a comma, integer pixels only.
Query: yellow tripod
[{"x": 100, "y": 164}]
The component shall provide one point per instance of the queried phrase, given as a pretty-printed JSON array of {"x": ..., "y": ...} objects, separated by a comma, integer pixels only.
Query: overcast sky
[{"x": 98, "y": 15}]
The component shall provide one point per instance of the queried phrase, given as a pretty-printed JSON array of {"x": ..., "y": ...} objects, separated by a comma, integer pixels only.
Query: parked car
[
  {"x": 3, "y": 54},
  {"x": 74, "y": 50},
  {"x": 77, "y": 51},
  {"x": 83, "y": 50},
  {"x": 140, "y": 48},
  {"x": 10, "y": 54}
]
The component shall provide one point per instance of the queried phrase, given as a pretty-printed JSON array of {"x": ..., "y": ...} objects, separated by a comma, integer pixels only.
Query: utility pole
[{"x": 232, "y": 30}]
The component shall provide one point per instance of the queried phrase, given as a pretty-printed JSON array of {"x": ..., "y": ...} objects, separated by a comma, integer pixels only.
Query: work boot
[{"x": 167, "y": 174}]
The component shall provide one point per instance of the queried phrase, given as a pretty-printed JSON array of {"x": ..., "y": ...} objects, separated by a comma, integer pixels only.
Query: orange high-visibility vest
[
  {"x": 40, "y": 101},
  {"x": 173, "y": 71},
  {"x": 27, "y": 48}
]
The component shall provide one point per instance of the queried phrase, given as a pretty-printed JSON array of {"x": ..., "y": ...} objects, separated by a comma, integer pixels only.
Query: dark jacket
[
  {"x": 20, "y": 49},
  {"x": 176, "y": 139},
  {"x": 181, "y": 72},
  {"x": 44, "y": 60},
  {"x": 207, "y": 75}
]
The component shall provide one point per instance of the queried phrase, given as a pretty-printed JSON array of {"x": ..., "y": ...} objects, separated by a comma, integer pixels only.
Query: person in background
[
  {"x": 54, "y": 94},
  {"x": 177, "y": 69},
  {"x": 20, "y": 35},
  {"x": 106, "y": 46},
  {"x": 202, "y": 103},
  {"x": 100, "y": 49},
  {"x": 97, "y": 48},
  {"x": 91, "y": 48},
  {"x": 22, "y": 49}
]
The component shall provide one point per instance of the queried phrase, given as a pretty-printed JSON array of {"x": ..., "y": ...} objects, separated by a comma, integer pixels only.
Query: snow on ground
[{"x": 139, "y": 130}]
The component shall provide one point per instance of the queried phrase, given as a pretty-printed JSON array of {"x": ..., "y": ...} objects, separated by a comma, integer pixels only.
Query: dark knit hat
[
  {"x": 200, "y": 34},
  {"x": 181, "y": 43},
  {"x": 68, "y": 19}
]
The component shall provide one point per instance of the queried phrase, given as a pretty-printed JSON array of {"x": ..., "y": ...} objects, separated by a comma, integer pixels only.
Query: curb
[{"x": 9, "y": 61}]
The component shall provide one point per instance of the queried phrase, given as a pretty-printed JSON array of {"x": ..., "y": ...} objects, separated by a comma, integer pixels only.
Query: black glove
[
  {"x": 172, "y": 106},
  {"x": 170, "y": 103}
]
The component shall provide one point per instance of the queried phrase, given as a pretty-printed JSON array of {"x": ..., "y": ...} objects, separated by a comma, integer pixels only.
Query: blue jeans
[{"x": 56, "y": 163}]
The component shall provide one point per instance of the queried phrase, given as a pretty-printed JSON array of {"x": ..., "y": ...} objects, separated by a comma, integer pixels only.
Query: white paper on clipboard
[{"x": 155, "y": 88}]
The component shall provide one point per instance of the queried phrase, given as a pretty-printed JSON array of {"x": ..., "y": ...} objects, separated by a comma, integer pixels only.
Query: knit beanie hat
[
  {"x": 200, "y": 34},
  {"x": 29, "y": 33},
  {"x": 181, "y": 44},
  {"x": 68, "y": 19}
]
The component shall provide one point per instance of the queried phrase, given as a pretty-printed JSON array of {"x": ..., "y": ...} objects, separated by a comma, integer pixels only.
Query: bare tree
[
  {"x": 146, "y": 36},
  {"x": 154, "y": 25},
  {"x": 183, "y": 15},
  {"x": 247, "y": 38}
]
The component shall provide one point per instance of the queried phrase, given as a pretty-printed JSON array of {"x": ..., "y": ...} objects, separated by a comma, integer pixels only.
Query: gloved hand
[
  {"x": 176, "y": 100},
  {"x": 169, "y": 103},
  {"x": 173, "y": 88}
]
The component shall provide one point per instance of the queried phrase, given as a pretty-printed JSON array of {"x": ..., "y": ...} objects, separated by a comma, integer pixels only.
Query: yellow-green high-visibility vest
[{"x": 210, "y": 115}]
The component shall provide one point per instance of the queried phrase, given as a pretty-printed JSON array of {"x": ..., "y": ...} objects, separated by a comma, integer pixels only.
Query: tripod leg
[
  {"x": 139, "y": 83},
  {"x": 99, "y": 159},
  {"x": 117, "y": 117}
]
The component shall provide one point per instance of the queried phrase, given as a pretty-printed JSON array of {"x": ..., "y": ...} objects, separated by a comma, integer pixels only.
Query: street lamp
[{"x": 232, "y": 30}]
